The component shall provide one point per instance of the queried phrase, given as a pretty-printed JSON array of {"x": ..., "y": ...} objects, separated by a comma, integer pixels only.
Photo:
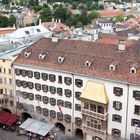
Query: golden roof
[{"x": 95, "y": 92}]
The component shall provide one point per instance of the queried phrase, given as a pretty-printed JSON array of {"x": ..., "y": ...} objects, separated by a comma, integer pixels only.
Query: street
[{"x": 7, "y": 135}]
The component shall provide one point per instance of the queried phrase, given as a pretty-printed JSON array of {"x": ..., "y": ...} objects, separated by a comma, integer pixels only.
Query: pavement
[{"x": 7, "y": 135}]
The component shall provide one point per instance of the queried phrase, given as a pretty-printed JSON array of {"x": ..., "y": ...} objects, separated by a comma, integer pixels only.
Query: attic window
[
  {"x": 38, "y": 30},
  {"x": 112, "y": 67},
  {"x": 133, "y": 70},
  {"x": 27, "y": 32},
  {"x": 60, "y": 59},
  {"x": 42, "y": 56},
  {"x": 87, "y": 64},
  {"x": 27, "y": 54}
]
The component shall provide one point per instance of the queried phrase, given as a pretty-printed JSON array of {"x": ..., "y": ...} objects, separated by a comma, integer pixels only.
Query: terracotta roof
[
  {"x": 77, "y": 52},
  {"x": 110, "y": 13},
  {"x": 58, "y": 27},
  {"x": 7, "y": 31}
]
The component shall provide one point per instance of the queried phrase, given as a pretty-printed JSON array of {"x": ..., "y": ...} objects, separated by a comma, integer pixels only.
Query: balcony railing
[
  {"x": 94, "y": 131},
  {"x": 95, "y": 114}
]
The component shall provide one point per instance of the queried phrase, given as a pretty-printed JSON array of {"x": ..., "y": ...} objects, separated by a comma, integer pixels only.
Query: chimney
[
  {"x": 121, "y": 45},
  {"x": 59, "y": 20},
  {"x": 40, "y": 22}
]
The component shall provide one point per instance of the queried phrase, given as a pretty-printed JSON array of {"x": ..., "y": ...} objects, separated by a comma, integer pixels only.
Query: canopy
[
  {"x": 95, "y": 92},
  {"x": 8, "y": 118},
  {"x": 37, "y": 127}
]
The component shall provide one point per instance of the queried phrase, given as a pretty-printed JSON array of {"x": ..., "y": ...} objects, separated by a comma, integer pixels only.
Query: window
[
  {"x": 117, "y": 105},
  {"x": 135, "y": 122},
  {"x": 78, "y": 83},
  {"x": 11, "y": 103},
  {"x": 59, "y": 91},
  {"x": 5, "y": 91},
  {"x": 68, "y": 105},
  {"x": 9, "y": 71},
  {"x": 67, "y": 93},
  {"x": 53, "y": 101},
  {"x": 116, "y": 132},
  {"x": 24, "y": 84},
  {"x": 18, "y": 83},
  {"x": 45, "y": 88},
  {"x": 45, "y": 100},
  {"x": 29, "y": 74},
  {"x": 78, "y": 121},
  {"x": 4, "y": 70},
  {"x": 67, "y": 81},
  {"x": 27, "y": 32},
  {"x": 116, "y": 118},
  {"x": 52, "y": 77},
  {"x": 133, "y": 70},
  {"x": 31, "y": 96},
  {"x": 37, "y": 75},
  {"x": 11, "y": 92},
  {"x": 1, "y": 91},
  {"x": 17, "y": 72},
  {"x": 38, "y": 109},
  {"x": 25, "y": 95},
  {"x": 30, "y": 85},
  {"x": 137, "y": 109},
  {"x": 37, "y": 87},
  {"x": 77, "y": 95},
  {"x": 5, "y": 80},
  {"x": 77, "y": 107},
  {"x": 52, "y": 114},
  {"x": 10, "y": 81},
  {"x": 67, "y": 118},
  {"x": 118, "y": 91},
  {"x": 60, "y": 79},
  {"x": 52, "y": 90},
  {"x": 60, "y": 116},
  {"x": 45, "y": 112},
  {"x": 101, "y": 109},
  {"x": 38, "y": 97},
  {"x": 136, "y": 95},
  {"x": 60, "y": 103},
  {"x": 23, "y": 73},
  {"x": 44, "y": 76},
  {"x": 93, "y": 107},
  {"x": 0, "y": 70},
  {"x": 38, "y": 30}
]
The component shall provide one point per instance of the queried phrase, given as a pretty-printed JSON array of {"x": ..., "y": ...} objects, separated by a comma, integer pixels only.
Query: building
[
  {"x": 86, "y": 88},
  {"x": 8, "y": 54}
]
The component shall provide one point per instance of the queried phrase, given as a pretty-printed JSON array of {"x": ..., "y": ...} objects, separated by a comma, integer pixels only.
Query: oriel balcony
[{"x": 95, "y": 114}]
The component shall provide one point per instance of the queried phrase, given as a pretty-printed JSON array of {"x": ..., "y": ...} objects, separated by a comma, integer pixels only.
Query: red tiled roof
[
  {"x": 110, "y": 13},
  {"x": 7, "y": 31},
  {"x": 58, "y": 26},
  {"x": 77, "y": 52}
]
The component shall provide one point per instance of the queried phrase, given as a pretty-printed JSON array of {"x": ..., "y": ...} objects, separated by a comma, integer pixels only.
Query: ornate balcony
[
  {"x": 95, "y": 114},
  {"x": 94, "y": 131}
]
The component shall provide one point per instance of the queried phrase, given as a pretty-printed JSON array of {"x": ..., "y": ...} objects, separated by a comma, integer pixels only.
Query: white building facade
[{"x": 62, "y": 97}]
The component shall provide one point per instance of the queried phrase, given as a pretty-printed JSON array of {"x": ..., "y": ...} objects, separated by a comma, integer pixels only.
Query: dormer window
[
  {"x": 133, "y": 70},
  {"x": 42, "y": 56},
  {"x": 87, "y": 64},
  {"x": 27, "y": 54},
  {"x": 60, "y": 59},
  {"x": 112, "y": 67}
]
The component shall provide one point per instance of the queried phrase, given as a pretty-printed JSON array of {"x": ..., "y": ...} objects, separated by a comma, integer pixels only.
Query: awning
[
  {"x": 37, "y": 127},
  {"x": 95, "y": 92},
  {"x": 8, "y": 118}
]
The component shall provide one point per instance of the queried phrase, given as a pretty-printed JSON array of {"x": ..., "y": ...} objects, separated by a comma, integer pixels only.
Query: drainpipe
[
  {"x": 73, "y": 106},
  {"x": 127, "y": 111}
]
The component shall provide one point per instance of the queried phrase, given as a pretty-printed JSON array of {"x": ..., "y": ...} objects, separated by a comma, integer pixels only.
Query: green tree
[
  {"x": 3, "y": 21},
  {"x": 12, "y": 20},
  {"x": 84, "y": 18},
  {"x": 46, "y": 14},
  {"x": 119, "y": 18},
  {"x": 93, "y": 15},
  {"x": 5, "y": 2}
]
